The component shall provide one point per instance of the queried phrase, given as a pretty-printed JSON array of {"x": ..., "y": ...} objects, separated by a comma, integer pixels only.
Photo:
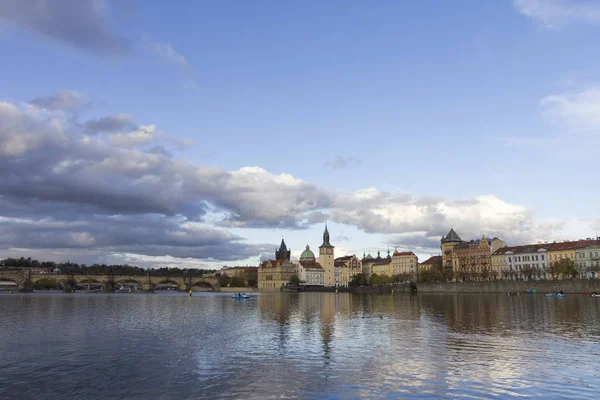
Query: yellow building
[
  {"x": 405, "y": 263},
  {"x": 273, "y": 274},
  {"x": 348, "y": 266},
  {"x": 499, "y": 265},
  {"x": 326, "y": 257},
  {"x": 449, "y": 241},
  {"x": 383, "y": 267}
]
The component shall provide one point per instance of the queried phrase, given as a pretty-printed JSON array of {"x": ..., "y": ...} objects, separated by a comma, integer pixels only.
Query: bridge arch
[
  {"x": 203, "y": 285},
  {"x": 8, "y": 284},
  {"x": 168, "y": 285}
]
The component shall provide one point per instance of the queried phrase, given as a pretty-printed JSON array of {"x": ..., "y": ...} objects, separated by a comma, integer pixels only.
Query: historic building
[
  {"x": 449, "y": 241},
  {"x": 430, "y": 263},
  {"x": 521, "y": 262},
  {"x": 326, "y": 259},
  {"x": 310, "y": 272},
  {"x": 468, "y": 260},
  {"x": 348, "y": 267},
  {"x": 237, "y": 271},
  {"x": 587, "y": 258},
  {"x": 368, "y": 261},
  {"x": 383, "y": 267},
  {"x": 405, "y": 263},
  {"x": 273, "y": 274}
]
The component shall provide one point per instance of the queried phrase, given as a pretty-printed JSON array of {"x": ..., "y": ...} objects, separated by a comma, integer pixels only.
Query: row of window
[
  {"x": 582, "y": 254},
  {"x": 535, "y": 257}
]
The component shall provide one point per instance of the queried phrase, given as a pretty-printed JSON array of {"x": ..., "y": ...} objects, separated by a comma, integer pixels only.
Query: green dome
[{"x": 307, "y": 253}]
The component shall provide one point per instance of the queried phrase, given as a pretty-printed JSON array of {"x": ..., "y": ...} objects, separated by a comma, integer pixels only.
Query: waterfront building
[
  {"x": 383, "y": 267},
  {"x": 368, "y": 261},
  {"x": 522, "y": 262},
  {"x": 237, "y": 271},
  {"x": 498, "y": 264},
  {"x": 431, "y": 263},
  {"x": 348, "y": 266},
  {"x": 309, "y": 271},
  {"x": 326, "y": 259},
  {"x": 448, "y": 243},
  {"x": 587, "y": 258},
  {"x": 405, "y": 263},
  {"x": 273, "y": 274}
]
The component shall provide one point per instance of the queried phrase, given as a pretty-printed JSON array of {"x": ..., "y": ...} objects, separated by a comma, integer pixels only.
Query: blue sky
[{"x": 393, "y": 121}]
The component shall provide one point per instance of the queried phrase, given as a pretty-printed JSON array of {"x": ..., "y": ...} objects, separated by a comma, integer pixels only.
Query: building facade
[
  {"x": 448, "y": 243},
  {"x": 471, "y": 259},
  {"x": 587, "y": 258},
  {"x": 383, "y": 267},
  {"x": 348, "y": 267},
  {"x": 430, "y": 263},
  {"x": 528, "y": 262},
  {"x": 273, "y": 274},
  {"x": 309, "y": 271},
  {"x": 405, "y": 263},
  {"x": 326, "y": 259}
]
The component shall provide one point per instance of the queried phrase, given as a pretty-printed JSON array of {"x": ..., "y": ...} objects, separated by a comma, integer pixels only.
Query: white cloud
[
  {"x": 169, "y": 54},
  {"x": 557, "y": 13},
  {"x": 50, "y": 169},
  {"x": 579, "y": 111},
  {"x": 143, "y": 135}
]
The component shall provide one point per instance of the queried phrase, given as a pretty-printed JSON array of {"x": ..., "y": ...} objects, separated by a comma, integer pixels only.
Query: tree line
[{"x": 70, "y": 268}]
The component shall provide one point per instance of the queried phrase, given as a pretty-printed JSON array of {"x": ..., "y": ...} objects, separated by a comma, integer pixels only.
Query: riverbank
[
  {"x": 403, "y": 288},
  {"x": 553, "y": 286}
]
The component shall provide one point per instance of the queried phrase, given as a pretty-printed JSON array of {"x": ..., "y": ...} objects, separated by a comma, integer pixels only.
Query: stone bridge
[{"x": 19, "y": 276}]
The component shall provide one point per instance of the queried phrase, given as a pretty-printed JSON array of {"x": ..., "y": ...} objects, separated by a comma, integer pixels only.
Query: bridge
[{"x": 19, "y": 277}]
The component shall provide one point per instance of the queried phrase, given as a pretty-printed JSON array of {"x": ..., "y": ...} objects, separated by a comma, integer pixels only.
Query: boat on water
[
  {"x": 240, "y": 296},
  {"x": 556, "y": 295},
  {"x": 594, "y": 295}
]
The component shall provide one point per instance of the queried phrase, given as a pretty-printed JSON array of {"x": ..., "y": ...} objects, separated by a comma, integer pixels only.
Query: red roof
[
  {"x": 387, "y": 262},
  {"x": 435, "y": 260},
  {"x": 310, "y": 264},
  {"x": 404, "y": 253},
  {"x": 271, "y": 263}
]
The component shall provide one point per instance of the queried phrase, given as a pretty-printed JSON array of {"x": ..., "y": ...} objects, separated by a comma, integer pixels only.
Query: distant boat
[
  {"x": 242, "y": 296},
  {"x": 556, "y": 295}
]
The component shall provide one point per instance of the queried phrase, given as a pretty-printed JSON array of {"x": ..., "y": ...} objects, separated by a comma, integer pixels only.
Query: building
[
  {"x": 273, "y": 274},
  {"x": 348, "y": 267},
  {"x": 448, "y": 243},
  {"x": 382, "y": 267},
  {"x": 430, "y": 263},
  {"x": 405, "y": 263},
  {"x": 521, "y": 262},
  {"x": 472, "y": 260},
  {"x": 309, "y": 271},
  {"x": 326, "y": 259},
  {"x": 587, "y": 258},
  {"x": 368, "y": 261},
  {"x": 238, "y": 271}
]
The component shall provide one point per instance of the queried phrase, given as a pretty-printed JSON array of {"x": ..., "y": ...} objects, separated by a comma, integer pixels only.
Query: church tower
[{"x": 326, "y": 258}]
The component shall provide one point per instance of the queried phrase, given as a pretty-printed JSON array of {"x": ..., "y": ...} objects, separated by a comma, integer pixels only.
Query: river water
[{"x": 305, "y": 345}]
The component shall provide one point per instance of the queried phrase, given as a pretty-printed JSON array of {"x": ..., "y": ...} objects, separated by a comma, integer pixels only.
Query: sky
[{"x": 199, "y": 134}]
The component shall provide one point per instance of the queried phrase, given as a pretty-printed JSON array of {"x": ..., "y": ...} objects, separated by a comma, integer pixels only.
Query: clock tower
[{"x": 326, "y": 258}]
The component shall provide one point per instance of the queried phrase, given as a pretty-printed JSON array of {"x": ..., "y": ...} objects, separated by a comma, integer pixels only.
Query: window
[{"x": 542, "y": 257}]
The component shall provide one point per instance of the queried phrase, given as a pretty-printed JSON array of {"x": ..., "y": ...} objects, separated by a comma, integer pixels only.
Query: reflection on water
[{"x": 290, "y": 345}]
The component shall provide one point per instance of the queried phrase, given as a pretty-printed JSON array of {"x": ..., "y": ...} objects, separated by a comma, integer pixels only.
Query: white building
[
  {"x": 587, "y": 260},
  {"x": 524, "y": 262},
  {"x": 309, "y": 271}
]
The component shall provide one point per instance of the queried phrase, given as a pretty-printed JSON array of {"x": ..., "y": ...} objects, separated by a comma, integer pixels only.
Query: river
[{"x": 297, "y": 345}]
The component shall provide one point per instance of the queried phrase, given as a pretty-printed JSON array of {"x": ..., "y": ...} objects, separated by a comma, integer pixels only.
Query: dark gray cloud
[
  {"x": 66, "y": 100},
  {"x": 151, "y": 235},
  {"x": 110, "y": 124},
  {"x": 79, "y": 23},
  {"x": 340, "y": 162}
]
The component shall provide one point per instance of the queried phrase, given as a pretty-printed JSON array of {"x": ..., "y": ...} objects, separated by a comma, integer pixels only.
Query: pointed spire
[{"x": 326, "y": 238}]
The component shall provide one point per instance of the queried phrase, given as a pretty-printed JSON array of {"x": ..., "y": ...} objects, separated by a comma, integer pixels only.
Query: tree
[
  {"x": 358, "y": 280},
  {"x": 485, "y": 274},
  {"x": 294, "y": 280},
  {"x": 564, "y": 267},
  {"x": 593, "y": 270}
]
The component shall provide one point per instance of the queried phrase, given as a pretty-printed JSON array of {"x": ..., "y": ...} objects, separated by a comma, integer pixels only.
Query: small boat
[
  {"x": 594, "y": 295},
  {"x": 242, "y": 296},
  {"x": 556, "y": 295}
]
